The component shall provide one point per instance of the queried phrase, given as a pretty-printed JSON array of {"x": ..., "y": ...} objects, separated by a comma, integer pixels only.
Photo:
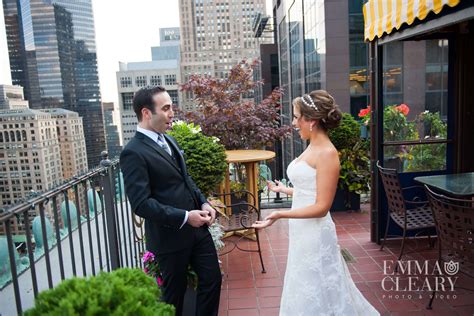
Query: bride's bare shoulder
[{"x": 328, "y": 155}]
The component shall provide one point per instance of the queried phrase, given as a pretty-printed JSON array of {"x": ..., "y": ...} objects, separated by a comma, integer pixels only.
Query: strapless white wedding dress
[{"x": 317, "y": 280}]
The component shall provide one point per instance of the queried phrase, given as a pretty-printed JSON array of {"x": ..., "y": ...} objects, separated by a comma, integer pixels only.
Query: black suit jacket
[{"x": 160, "y": 190}]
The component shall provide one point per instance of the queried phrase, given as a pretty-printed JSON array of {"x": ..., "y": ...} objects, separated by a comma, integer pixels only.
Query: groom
[{"x": 176, "y": 213}]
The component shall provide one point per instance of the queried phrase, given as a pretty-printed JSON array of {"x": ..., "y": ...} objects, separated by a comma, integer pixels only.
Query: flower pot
[
  {"x": 345, "y": 201},
  {"x": 393, "y": 163},
  {"x": 189, "y": 304}
]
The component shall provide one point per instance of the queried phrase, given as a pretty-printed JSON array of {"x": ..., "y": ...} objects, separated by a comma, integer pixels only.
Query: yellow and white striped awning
[{"x": 382, "y": 16}]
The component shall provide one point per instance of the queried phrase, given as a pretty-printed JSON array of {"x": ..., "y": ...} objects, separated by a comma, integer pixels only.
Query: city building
[
  {"x": 112, "y": 133},
  {"x": 11, "y": 97},
  {"x": 30, "y": 154},
  {"x": 163, "y": 70},
  {"x": 216, "y": 36},
  {"x": 52, "y": 55},
  {"x": 133, "y": 76},
  {"x": 169, "y": 45},
  {"x": 39, "y": 149},
  {"x": 71, "y": 140},
  {"x": 320, "y": 46}
]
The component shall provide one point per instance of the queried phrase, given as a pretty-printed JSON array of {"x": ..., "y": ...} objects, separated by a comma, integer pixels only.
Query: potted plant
[
  {"x": 396, "y": 127},
  {"x": 354, "y": 175},
  {"x": 427, "y": 157},
  {"x": 121, "y": 292},
  {"x": 204, "y": 155}
]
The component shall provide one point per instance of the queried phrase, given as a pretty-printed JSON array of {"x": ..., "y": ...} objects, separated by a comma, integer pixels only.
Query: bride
[{"x": 317, "y": 281}]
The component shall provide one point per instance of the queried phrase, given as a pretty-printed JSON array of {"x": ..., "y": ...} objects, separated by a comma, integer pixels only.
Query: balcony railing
[{"x": 80, "y": 228}]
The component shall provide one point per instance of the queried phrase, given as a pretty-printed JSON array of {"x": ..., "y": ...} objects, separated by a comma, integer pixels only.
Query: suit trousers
[{"x": 203, "y": 259}]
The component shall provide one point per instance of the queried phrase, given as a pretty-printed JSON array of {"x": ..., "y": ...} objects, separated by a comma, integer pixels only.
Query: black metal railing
[{"x": 79, "y": 228}]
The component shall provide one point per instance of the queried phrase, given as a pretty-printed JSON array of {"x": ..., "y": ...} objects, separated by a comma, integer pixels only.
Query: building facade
[
  {"x": 112, "y": 133},
  {"x": 30, "y": 154},
  {"x": 52, "y": 55},
  {"x": 320, "y": 46},
  {"x": 169, "y": 45},
  {"x": 12, "y": 98},
  {"x": 216, "y": 36},
  {"x": 72, "y": 144},
  {"x": 39, "y": 149},
  {"x": 133, "y": 76}
]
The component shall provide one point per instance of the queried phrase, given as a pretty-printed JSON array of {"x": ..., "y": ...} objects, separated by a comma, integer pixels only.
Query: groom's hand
[
  {"x": 197, "y": 218},
  {"x": 212, "y": 212}
]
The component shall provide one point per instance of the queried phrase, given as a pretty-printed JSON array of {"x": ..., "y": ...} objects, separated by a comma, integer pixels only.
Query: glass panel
[
  {"x": 313, "y": 36},
  {"x": 358, "y": 58},
  {"x": 416, "y": 158},
  {"x": 415, "y": 103},
  {"x": 296, "y": 59}
]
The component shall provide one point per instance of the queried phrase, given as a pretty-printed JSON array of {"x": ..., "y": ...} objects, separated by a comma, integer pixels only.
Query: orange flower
[
  {"x": 403, "y": 108},
  {"x": 364, "y": 112}
]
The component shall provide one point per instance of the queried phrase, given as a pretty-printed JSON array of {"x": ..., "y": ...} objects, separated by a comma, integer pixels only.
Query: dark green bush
[
  {"x": 353, "y": 155},
  {"x": 121, "y": 292},
  {"x": 347, "y": 134},
  {"x": 205, "y": 156}
]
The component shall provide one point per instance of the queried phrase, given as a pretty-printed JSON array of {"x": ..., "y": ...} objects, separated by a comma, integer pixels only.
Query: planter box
[
  {"x": 345, "y": 201},
  {"x": 393, "y": 163}
]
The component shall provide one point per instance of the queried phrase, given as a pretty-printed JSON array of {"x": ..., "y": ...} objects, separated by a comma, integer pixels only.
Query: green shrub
[
  {"x": 205, "y": 156},
  {"x": 347, "y": 134},
  {"x": 121, "y": 292},
  {"x": 353, "y": 155}
]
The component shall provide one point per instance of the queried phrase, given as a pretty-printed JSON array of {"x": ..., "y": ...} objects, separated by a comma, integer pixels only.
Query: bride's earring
[{"x": 311, "y": 128}]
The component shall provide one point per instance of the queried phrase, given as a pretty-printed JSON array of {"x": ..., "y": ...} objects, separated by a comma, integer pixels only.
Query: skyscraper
[
  {"x": 53, "y": 56},
  {"x": 216, "y": 35}
]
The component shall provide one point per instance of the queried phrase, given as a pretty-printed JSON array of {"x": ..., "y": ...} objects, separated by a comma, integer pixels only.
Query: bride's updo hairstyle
[{"x": 319, "y": 105}]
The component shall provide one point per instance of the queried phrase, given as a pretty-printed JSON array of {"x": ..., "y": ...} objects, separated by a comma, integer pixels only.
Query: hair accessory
[{"x": 308, "y": 101}]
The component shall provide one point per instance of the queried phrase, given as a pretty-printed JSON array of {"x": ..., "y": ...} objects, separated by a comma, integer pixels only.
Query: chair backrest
[
  {"x": 393, "y": 189},
  {"x": 454, "y": 220}
]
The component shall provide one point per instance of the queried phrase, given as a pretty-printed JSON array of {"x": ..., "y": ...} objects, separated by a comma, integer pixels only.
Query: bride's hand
[
  {"x": 268, "y": 221},
  {"x": 276, "y": 186},
  {"x": 263, "y": 224}
]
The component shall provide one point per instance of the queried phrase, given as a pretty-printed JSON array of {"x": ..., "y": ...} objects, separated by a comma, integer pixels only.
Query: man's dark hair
[{"x": 143, "y": 98}]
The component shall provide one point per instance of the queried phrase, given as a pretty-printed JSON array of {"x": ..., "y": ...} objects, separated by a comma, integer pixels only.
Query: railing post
[{"x": 107, "y": 183}]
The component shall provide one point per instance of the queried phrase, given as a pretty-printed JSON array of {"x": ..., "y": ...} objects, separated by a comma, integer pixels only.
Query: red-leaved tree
[{"x": 223, "y": 111}]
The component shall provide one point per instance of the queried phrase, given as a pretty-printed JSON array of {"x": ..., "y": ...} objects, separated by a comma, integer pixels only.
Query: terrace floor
[{"x": 246, "y": 291}]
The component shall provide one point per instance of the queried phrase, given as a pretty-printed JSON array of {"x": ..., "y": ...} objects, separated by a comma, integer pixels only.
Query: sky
[{"x": 125, "y": 31}]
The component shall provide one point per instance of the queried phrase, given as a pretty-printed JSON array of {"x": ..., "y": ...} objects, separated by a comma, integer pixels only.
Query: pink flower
[
  {"x": 148, "y": 256},
  {"x": 403, "y": 108},
  {"x": 145, "y": 270},
  {"x": 159, "y": 280}
]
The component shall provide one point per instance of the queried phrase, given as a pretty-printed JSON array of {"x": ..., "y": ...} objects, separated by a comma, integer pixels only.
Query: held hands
[
  {"x": 205, "y": 216},
  {"x": 212, "y": 212},
  {"x": 268, "y": 221},
  {"x": 276, "y": 186},
  {"x": 197, "y": 218}
]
